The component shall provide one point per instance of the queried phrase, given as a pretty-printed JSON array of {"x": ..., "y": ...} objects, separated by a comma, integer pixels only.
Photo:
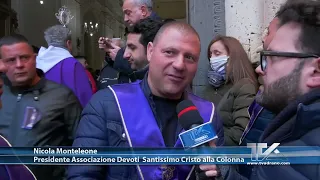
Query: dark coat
[
  {"x": 215, "y": 95},
  {"x": 259, "y": 120},
  {"x": 101, "y": 125},
  {"x": 118, "y": 72},
  {"x": 59, "y": 113},
  {"x": 122, "y": 65},
  {"x": 108, "y": 75},
  {"x": 233, "y": 109},
  {"x": 296, "y": 125}
]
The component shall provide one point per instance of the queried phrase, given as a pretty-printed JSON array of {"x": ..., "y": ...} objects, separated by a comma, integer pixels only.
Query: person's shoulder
[
  {"x": 71, "y": 61},
  {"x": 103, "y": 104},
  {"x": 103, "y": 97},
  {"x": 310, "y": 138},
  {"x": 244, "y": 82},
  {"x": 53, "y": 86},
  {"x": 244, "y": 86}
]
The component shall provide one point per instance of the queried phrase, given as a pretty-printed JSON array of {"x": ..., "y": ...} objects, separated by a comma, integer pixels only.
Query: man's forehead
[
  {"x": 16, "y": 46},
  {"x": 286, "y": 38},
  {"x": 274, "y": 23},
  {"x": 133, "y": 37},
  {"x": 185, "y": 43},
  {"x": 15, "y": 50},
  {"x": 170, "y": 33}
]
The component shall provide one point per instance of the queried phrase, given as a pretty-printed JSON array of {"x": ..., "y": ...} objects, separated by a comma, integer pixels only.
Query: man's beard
[{"x": 276, "y": 96}]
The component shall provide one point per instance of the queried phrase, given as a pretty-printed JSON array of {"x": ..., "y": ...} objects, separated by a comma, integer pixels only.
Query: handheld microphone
[{"x": 196, "y": 133}]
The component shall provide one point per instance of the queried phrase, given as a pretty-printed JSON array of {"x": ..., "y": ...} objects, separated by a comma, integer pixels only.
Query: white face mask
[{"x": 218, "y": 63}]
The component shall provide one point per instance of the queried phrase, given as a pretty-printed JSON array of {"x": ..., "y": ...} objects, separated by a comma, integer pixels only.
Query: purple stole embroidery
[
  {"x": 135, "y": 112},
  {"x": 15, "y": 172}
]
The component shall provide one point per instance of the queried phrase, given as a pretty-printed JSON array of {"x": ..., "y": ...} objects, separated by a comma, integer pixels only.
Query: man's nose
[
  {"x": 19, "y": 63},
  {"x": 126, "y": 54},
  {"x": 2, "y": 66},
  {"x": 126, "y": 18},
  {"x": 259, "y": 71},
  {"x": 179, "y": 63}
]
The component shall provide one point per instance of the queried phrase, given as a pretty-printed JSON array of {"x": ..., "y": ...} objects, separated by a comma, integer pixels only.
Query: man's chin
[
  {"x": 129, "y": 25},
  {"x": 261, "y": 88},
  {"x": 133, "y": 67}
]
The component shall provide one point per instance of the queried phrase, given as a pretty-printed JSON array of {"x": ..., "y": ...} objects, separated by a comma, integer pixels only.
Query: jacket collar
[
  {"x": 295, "y": 120},
  {"x": 147, "y": 91},
  {"x": 140, "y": 74},
  {"x": 154, "y": 16},
  {"x": 36, "y": 87}
]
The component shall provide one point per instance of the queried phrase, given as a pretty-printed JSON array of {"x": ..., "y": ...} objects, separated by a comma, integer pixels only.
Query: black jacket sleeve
[
  {"x": 72, "y": 113},
  {"x": 121, "y": 64}
]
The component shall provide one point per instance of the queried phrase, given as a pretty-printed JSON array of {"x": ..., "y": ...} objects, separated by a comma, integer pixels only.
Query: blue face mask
[{"x": 217, "y": 71}]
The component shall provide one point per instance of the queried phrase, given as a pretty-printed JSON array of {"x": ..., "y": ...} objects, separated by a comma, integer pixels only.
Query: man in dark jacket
[
  {"x": 18, "y": 171},
  {"x": 134, "y": 11},
  {"x": 38, "y": 112},
  {"x": 136, "y": 49},
  {"x": 259, "y": 116},
  {"x": 291, "y": 90},
  {"x": 116, "y": 117}
]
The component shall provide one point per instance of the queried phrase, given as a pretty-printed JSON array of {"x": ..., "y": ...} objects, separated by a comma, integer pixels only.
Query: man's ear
[
  {"x": 144, "y": 11},
  {"x": 149, "y": 51},
  {"x": 314, "y": 79}
]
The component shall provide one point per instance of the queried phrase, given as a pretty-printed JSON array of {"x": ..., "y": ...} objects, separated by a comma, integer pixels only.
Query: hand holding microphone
[{"x": 190, "y": 120}]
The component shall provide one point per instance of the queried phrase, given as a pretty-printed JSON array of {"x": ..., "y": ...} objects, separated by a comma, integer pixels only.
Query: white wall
[{"x": 247, "y": 19}]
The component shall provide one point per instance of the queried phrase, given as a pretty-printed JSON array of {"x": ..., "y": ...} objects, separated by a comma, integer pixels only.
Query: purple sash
[
  {"x": 15, "y": 172},
  {"x": 135, "y": 112}
]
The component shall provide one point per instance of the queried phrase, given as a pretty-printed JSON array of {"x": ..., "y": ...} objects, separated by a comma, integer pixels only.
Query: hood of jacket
[{"x": 48, "y": 58}]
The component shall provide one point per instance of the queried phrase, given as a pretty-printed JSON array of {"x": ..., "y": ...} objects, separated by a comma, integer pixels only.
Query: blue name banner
[
  {"x": 254, "y": 154},
  {"x": 197, "y": 136}
]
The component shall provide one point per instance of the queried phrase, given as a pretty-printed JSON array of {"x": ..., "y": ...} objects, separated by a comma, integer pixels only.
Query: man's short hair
[
  {"x": 306, "y": 14},
  {"x": 57, "y": 36},
  {"x": 148, "y": 29},
  {"x": 284, "y": 6},
  {"x": 13, "y": 39},
  {"x": 35, "y": 49},
  {"x": 147, "y": 3},
  {"x": 179, "y": 25}
]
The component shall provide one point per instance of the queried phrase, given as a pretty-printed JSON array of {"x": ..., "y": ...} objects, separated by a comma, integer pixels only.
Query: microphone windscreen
[{"x": 188, "y": 114}]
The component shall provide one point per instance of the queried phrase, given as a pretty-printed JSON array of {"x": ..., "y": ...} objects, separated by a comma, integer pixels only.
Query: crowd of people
[{"x": 49, "y": 97}]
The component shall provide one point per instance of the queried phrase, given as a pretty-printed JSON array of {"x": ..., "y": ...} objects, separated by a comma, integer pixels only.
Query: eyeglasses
[{"x": 265, "y": 54}]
